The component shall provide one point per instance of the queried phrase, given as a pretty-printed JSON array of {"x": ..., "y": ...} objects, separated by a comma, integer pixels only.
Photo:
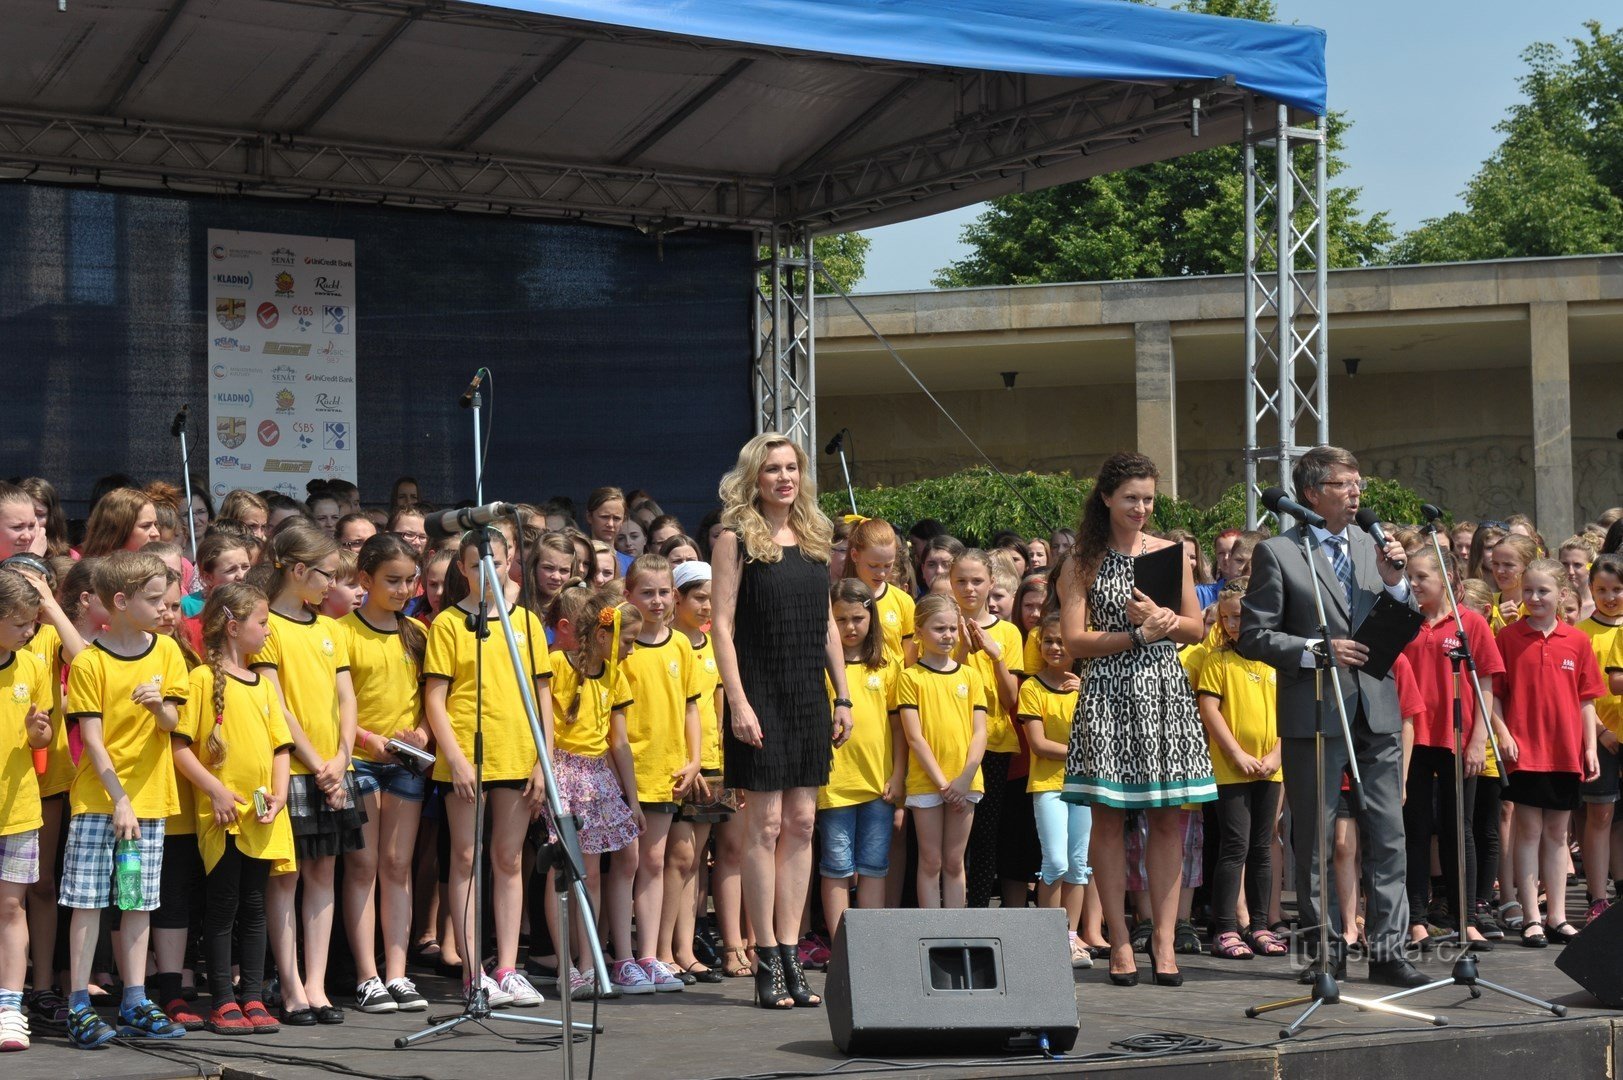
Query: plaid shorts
[
  {"x": 19, "y": 858},
  {"x": 87, "y": 866}
]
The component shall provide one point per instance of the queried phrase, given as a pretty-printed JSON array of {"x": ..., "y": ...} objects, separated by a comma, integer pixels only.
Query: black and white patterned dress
[{"x": 1136, "y": 739}]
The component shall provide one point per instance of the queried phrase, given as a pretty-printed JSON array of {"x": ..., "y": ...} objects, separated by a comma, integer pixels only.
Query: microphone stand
[
  {"x": 1326, "y": 991},
  {"x": 1464, "y": 972},
  {"x": 178, "y": 428},
  {"x": 838, "y": 447}
]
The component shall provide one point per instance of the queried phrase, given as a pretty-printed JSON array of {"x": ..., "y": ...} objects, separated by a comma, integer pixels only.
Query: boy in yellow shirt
[{"x": 124, "y": 691}]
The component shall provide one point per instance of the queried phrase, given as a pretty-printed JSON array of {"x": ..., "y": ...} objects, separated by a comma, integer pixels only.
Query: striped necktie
[{"x": 1341, "y": 563}]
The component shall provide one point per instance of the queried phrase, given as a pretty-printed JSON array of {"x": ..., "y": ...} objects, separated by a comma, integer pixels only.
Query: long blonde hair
[{"x": 741, "y": 511}]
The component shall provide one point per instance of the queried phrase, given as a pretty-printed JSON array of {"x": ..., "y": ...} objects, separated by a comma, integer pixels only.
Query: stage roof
[{"x": 832, "y": 114}]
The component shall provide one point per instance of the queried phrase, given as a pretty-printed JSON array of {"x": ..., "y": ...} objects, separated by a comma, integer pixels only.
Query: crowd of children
[{"x": 214, "y": 765}]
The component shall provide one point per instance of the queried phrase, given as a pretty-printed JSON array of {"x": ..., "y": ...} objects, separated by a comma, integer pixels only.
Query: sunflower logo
[
  {"x": 19, "y": 693},
  {"x": 874, "y": 682},
  {"x": 326, "y": 647},
  {"x": 962, "y": 690}
]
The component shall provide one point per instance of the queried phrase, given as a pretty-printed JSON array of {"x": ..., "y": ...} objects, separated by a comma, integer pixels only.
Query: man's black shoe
[
  {"x": 1399, "y": 973},
  {"x": 1338, "y": 968}
]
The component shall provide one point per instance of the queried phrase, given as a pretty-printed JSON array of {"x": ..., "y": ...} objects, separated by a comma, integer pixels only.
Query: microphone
[
  {"x": 451, "y": 522},
  {"x": 1277, "y": 501},
  {"x": 834, "y": 444},
  {"x": 466, "y": 400},
  {"x": 180, "y": 421},
  {"x": 1369, "y": 523},
  {"x": 1430, "y": 512}
]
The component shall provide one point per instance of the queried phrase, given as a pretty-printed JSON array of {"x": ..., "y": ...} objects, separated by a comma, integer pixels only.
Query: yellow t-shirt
[
  {"x": 1032, "y": 659},
  {"x": 254, "y": 729},
  {"x": 946, "y": 702},
  {"x": 100, "y": 684},
  {"x": 707, "y": 679},
  {"x": 1607, "y": 641},
  {"x": 1000, "y": 736},
  {"x": 387, "y": 683},
  {"x": 24, "y": 685},
  {"x": 863, "y": 764},
  {"x": 663, "y": 680},
  {"x": 1193, "y": 658},
  {"x": 587, "y": 735},
  {"x": 1496, "y": 618},
  {"x": 307, "y": 657},
  {"x": 894, "y": 610},
  {"x": 58, "y": 776},
  {"x": 1245, "y": 691},
  {"x": 1039, "y": 701},
  {"x": 510, "y": 752}
]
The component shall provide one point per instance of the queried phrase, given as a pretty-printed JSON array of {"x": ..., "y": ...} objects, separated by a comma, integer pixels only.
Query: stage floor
[{"x": 715, "y": 1031}]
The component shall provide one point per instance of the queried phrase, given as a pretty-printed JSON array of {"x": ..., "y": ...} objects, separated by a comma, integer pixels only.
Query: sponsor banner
[{"x": 281, "y": 336}]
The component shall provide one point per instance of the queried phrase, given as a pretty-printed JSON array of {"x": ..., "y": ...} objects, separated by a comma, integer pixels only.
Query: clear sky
[{"x": 1423, "y": 81}]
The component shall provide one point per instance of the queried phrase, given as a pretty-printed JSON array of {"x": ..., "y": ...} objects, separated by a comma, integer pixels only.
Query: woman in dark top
[{"x": 775, "y": 639}]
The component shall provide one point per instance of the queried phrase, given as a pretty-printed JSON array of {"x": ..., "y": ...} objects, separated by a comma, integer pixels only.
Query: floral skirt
[{"x": 589, "y": 792}]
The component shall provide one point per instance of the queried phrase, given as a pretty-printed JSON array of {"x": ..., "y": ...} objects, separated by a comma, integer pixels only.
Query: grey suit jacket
[{"x": 1278, "y": 620}]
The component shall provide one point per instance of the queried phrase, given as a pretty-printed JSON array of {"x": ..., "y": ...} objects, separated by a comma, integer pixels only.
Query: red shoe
[
  {"x": 260, "y": 1017},
  {"x": 183, "y": 1014},
  {"x": 228, "y": 1019}
]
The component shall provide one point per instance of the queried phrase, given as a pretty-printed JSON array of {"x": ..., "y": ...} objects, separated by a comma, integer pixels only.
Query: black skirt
[{"x": 1543, "y": 790}]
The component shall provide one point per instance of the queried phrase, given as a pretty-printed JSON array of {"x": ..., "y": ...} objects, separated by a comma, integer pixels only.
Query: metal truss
[
  {"x": 1286, "y": 293},
  {"x": 785, "y": 348}
]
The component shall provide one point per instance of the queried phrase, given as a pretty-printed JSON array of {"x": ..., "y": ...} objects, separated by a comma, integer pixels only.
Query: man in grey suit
[{"x": 1279, "y": 626}]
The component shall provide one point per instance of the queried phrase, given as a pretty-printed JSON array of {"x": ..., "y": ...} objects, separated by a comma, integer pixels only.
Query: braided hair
[{"x": 229, "y": 603}]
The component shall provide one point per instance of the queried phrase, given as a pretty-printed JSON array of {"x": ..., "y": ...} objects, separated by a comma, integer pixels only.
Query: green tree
[
  {"x": 1183, "y": 216},
  {"x": 844, "y": 256},
  {"x": 1555, "y": 184}
]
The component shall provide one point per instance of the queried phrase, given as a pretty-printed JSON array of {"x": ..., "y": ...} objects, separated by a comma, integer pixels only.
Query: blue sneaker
[
  {"x": 87, "y": 1031},
  {"x": 148, "y": 1021}
]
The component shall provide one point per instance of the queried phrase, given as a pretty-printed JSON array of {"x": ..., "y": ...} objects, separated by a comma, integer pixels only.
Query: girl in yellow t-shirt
[
  {"x": 304, "y": 657},
  {"x": 942, "y": 706},
  {"x": 386, "y": 651},
  {"x": 857, "y": 807},
  {"x": 1236, "y": 698},
  {"x": 233, "y": 743},
  {"x": 457, "y": 677},
  {"x": 870, "y": 557},
  {"x": 597, "y": 783},
  {"x": 1507, "y": 562}
]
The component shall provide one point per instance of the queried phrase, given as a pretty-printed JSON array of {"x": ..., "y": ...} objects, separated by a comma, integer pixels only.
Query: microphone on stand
[
  {"x": 180, "y": 421},
  {"x": 1371, "y": 524},
  {"x": 1276, "y": 500},
  {"x": 1430, "y": 512},
  {"x": 451, "y": 522},
  {"x": 466, "y": 400},
  {"x": 835, "y": 443}
]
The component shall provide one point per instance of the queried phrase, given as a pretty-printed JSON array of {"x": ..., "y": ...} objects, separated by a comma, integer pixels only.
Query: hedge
[{"x": 977, "y": 504}]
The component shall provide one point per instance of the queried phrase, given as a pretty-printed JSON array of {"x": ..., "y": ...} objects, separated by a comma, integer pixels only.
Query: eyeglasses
[
  {"x": 356, "y": 544},
  {"x": 1360, "y": 484},
  {"x": 413, "y": 536},
  {"x": 330, "y": 575}
]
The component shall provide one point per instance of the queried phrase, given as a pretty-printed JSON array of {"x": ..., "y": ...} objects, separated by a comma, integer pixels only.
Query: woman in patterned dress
[{"x": 1136, "y": 741}]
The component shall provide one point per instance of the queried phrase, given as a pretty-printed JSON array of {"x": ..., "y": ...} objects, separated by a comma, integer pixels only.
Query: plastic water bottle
[{"x": 127, "y": 874}]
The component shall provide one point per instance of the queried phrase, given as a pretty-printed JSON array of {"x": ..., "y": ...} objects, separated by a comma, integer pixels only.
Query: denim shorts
[
  {"x": 396, "y": 780},
  {"x": 856, "y": 839}
]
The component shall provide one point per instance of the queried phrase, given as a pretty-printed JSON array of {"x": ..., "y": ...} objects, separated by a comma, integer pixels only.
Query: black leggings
[
  {"x": 236, "y": 905},
  {"x": 1485, "y": 830},
  {"x": 1245, "y": 822},
  {"x": 1431, "y": 783}
]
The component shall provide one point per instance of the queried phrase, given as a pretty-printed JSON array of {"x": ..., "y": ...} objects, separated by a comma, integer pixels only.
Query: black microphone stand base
[
  {"x": 1465, "y": 975},
  {"x": 477, "y": 1012}
]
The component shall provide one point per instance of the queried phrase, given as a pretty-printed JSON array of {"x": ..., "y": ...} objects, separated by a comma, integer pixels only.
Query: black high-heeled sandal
[
  {"x": 795, "y": 979},
  {"x": 771, "y": 992},
  {"x": 1163, "y": 978},
  {"x": 1128, "y": 978}
]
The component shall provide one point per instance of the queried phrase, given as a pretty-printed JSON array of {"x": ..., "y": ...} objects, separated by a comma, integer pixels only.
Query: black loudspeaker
[
  {"x": 932, "y": 982},
  {"x": 1595, "y": 959}
]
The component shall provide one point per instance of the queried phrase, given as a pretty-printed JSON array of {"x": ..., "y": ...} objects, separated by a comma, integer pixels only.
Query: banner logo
[
  {"x": 269, "y": 433},
  {"x": 282, "y": 256},
  {"x": 234, "y": 279},
  {"x": 326, "y": 286},
  {"x": 336, "y": 436},
  {"x": 267, "y": 315},
  {"x": 232, "y": 343},
  {"x": 329, "y": 402},
  {"x": 288, "y": 465},
  {"x": 245, "y": 398},
  {"x": 283, "y": 373},
  {"x": 231, "y": 431},
  {"x": 284, "y": 284},
  {"x": 286, "y": 348},
  {"x": 284, "y": 400},
  {"x": 230, "y": 311}
]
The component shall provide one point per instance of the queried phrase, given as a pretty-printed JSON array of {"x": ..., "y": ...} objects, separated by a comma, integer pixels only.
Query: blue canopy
[{"x": 1091, "y": 39}]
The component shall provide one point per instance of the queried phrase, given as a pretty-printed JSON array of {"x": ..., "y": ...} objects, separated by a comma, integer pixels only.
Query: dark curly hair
[{"x": 1093, "y": 532}]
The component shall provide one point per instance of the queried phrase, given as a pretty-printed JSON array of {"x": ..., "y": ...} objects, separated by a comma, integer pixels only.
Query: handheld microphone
[
  {"x": 834, "y": 444},
  {"x": 452, "y": 522},
  {"x": 466, "y": 400},
  {"x": 1430, "y": 512},
  {"x": 180, "y": 421},
  {"x": 1369, "y": 523},
  {"x": 1276, "y": 500}
]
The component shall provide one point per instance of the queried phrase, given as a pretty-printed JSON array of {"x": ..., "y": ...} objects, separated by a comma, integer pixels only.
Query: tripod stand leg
[
  {"x": 1550, "y": 1006},
  {"x": 1273, "y": 1006},
  {"x": 1384, "y": 1006},
  {"x": 1296, "y": 1025}
]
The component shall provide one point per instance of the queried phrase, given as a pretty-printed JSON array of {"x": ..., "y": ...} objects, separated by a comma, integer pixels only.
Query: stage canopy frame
[{"x": 787, "y": 118}]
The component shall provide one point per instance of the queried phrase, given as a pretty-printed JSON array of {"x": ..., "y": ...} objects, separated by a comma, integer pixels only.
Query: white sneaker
[
  {"x": 495, "y": 996},
  {"x": 629, "y": 978},
  {"x": 13, "y": 1030},
  {"x": 1080, "y": 956},
  {"x": 663, "y": 978},
  {"x": 519, "y": 990}
]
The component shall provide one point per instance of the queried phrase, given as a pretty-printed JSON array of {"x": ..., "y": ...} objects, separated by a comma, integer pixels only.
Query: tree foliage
[
  {"x": 1168, "y": 218},
  {"x": 1555, "y": 184},
  {"x": 844, "y": 256}
]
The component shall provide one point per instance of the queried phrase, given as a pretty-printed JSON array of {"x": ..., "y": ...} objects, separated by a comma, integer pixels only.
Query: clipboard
[
  {"x": 1159, "y": 575},
  {"x": 1385, "y": 630}
]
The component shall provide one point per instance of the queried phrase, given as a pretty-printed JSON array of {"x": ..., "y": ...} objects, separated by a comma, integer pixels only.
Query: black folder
[
  {"x": 1385, "y": 630},
  {"x": 1159, "y": 575}
]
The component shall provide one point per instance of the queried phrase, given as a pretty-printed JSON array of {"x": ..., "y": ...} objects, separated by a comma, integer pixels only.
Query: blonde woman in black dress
[{"x": 775, "y": 639}]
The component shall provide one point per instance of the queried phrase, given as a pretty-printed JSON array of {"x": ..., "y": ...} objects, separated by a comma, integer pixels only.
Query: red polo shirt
[
  {"x": 1547, "y": 679},
  {"x": 1428, "y": 654}
]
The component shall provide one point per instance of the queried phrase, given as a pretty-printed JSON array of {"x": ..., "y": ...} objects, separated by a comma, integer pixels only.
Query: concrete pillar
[
  {"x": 1552, "y": 420},
  {"x": 1157, "y": 387}
]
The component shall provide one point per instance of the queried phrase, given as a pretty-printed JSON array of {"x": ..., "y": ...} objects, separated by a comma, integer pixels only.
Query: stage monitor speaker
[
  {"x": 940, "y": 981},
  {"x": 1595, "y": 960}
]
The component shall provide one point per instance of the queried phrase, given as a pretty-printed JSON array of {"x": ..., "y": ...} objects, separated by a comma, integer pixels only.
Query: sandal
[
  {"x": 1563, "y": 933},
  {"x": 699, "y": 974},
  {"x": 1532, "y": 940},
  {"x": 1266, "y": 943},
  {"x": 736, "y": 963},
  {"x": 1229, "y": 946},
  {"x": 1511, "y": 922},
  {"x": 1184, "y": 939}
]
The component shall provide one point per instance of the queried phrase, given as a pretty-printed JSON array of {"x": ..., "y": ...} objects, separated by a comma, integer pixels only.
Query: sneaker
[
  {"x": 148, "y": 1021},
  {"x": 628, "y": 977},
  {"x": 228, "y": 1019},
  {"x": 183, "y": 1014},
  {"x": 663, "y": 978},
  {"x": 13, "y": 1030},
  {"x": 495, "y": 997},
  {"x": 521, "y": 993},
  {"x": 87, "y": 1031},
  {"x": 373, "y": 997},
  {"x": 49, "y": 1007},
  {"x": 1596, "y": 910},
  {"x": 1486, "y": 923},
  {"x": 814, "y": 952},
  {"x": 582, "y": 984},
  {"x": 406, "y": 997},
  {"x": 1081, "y": 957}
]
